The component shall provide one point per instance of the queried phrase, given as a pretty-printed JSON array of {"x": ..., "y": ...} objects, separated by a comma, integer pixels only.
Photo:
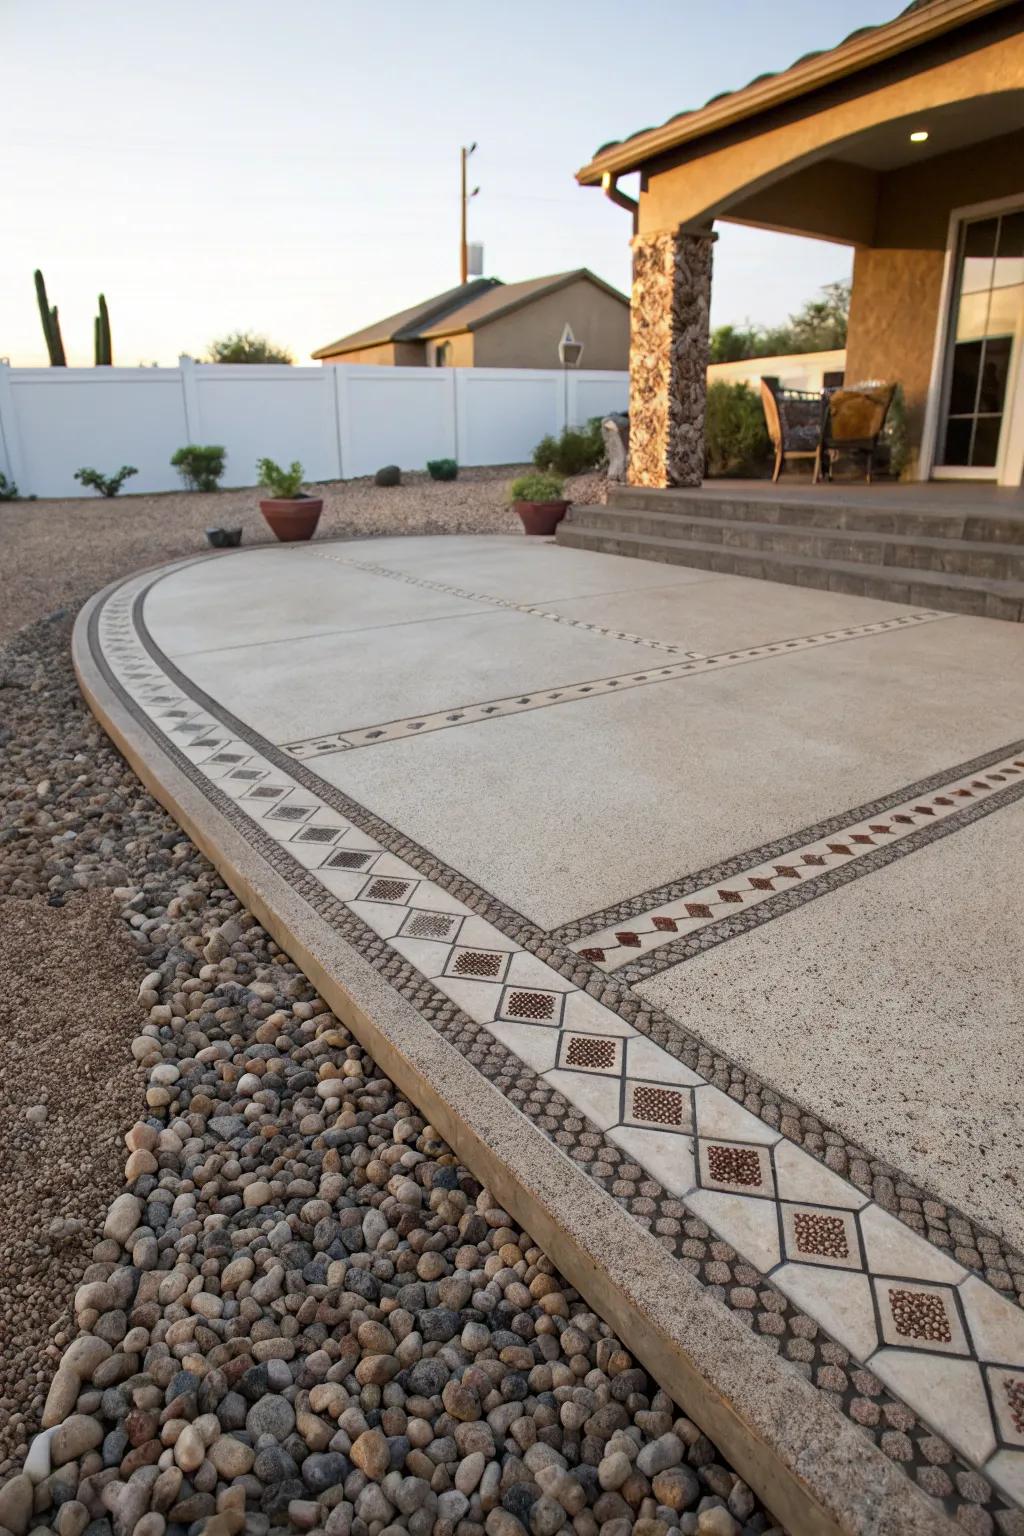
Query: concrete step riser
[
  {"x": 977, "y": 526},
  {"x": 1000, "y": 563},
  {"x": 762, "y": 565}
]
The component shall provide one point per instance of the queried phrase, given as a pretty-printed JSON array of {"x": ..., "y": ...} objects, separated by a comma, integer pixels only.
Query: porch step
[
  {"x": 950, "y": 590},
  {"x": 816, "y": 541},
  {"x": 888, "y": 512}
]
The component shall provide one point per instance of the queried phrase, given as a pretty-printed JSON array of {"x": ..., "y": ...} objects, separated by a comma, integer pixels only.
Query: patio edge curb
[{"x": 814, "y": 1470}]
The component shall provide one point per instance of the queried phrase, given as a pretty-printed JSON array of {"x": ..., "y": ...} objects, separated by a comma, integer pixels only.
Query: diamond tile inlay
[{"x": 637, "y": 1109}]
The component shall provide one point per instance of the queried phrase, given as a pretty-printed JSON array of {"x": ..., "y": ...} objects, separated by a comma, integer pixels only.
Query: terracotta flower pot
[
  {"x": 541, "y": 517},
  {"x": 294, "y": 518}
]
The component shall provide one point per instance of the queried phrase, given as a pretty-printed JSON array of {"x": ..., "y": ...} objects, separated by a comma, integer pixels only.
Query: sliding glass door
[{"x": 985, "y": 346}]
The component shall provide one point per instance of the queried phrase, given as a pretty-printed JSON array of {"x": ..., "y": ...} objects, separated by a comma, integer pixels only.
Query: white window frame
[{"x": 1009, "y": 468}]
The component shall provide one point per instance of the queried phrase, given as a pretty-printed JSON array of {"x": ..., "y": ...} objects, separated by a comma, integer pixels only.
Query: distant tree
[
  {"x": 247, "y": 347},
  {"x": 820, "y": 326},
  {"x": 730, "y": 344}
]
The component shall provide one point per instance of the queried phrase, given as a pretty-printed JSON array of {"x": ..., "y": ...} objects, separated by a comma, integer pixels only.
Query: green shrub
[
  {"x": 8, "y": 489},
  {"x": 200, "y": 467},
  {"x": 104, "y": 484},
  {"x": 390, "y": 474},
  {"x": 574, "y": 451},
  {"x": 536, "y": 486},
  {"x": 283, "y": 484},
  {"x": 442, "y": 469},
  {"x": 896, "y": 435},
  {"x": 735, "y": 437}
]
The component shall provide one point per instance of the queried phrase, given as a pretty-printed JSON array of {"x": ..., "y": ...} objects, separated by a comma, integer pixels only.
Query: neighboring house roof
[
  {"x": 465, "y": 308},
  {"x": 918, "y": 23}
]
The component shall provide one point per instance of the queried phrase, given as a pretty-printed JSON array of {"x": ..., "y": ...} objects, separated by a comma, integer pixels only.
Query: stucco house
[
  {"x": 486, "y": 323},
  {"x": 906, "y": 142}
]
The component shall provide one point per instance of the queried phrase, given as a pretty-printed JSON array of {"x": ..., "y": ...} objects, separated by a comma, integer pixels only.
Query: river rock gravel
[
  {"x": 112, "y": 536},
  {"x": 298, "y": 1311}
]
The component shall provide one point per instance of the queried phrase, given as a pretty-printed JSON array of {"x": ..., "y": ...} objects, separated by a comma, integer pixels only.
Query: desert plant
[
  {"x": 283, "y": 484},
  {"x": 246, "y": 347},
  {"x": 575, "y": 450},
  {"x": 106, "y": 485},
  {"x": 200, "y": 466},
  {"x": 101, "y": 336},
  {"x": 442, "y": 469},
  {"x": 51, "y": 325},
  {"x": 536, "y": 486},
  {"x": 8, "y": 489},
  {"x": 388, "y": 474},
  {"x": 896, "y": 435},
  {"x": 735, "y": 437}
]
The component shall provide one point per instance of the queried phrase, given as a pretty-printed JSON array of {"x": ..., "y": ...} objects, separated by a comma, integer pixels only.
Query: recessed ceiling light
[{"x": 918, "y": 136}]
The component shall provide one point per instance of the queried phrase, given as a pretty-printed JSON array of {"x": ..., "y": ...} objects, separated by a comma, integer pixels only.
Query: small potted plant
[
  {"x": 290, "y": 511},
  {"x": 537, "y": 497}
]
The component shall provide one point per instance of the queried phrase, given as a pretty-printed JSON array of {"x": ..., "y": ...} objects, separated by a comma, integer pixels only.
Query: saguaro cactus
[
  {"x": 51, "y": 326},
  {"x": 104, "y": 349}
]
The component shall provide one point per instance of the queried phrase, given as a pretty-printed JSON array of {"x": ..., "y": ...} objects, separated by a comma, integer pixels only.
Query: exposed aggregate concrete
[{"x": 299, "y": 1312}]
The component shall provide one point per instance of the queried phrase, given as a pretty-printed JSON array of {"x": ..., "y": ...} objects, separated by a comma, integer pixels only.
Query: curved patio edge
[{"x": 813, "y": 1468}]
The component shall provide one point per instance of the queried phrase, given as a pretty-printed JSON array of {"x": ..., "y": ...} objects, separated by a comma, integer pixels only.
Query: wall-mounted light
[{"x": 919, "y": 136}]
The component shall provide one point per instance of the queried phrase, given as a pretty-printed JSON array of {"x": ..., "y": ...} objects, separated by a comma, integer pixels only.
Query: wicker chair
[
  {"x": 794, "y": 419},
  {"x": 852, "y": 423}
]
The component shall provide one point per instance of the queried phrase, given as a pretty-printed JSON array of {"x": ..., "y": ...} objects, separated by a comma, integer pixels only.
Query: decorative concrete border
[
  {"x": 943, "y": 1224},
  {"x": 398, "y": 887},
  {"x": 669, "y": 925},
  {"x": 479, "y": 711}
]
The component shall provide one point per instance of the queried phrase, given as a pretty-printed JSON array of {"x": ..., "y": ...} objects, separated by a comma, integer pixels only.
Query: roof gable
[{"x": 465, "y": 308}]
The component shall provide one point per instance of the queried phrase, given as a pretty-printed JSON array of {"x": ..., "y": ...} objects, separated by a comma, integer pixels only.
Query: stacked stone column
[{"x": 668, "y": 357}]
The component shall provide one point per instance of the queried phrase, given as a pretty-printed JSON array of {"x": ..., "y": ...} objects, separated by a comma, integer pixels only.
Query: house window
[{"x": 987, "y": 326}]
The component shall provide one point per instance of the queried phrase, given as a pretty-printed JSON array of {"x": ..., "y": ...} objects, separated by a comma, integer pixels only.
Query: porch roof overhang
[{"x": 920, "y": 24}]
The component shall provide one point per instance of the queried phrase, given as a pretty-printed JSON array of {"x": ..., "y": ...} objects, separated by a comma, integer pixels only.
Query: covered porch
[{"x": 906, "y": 143}]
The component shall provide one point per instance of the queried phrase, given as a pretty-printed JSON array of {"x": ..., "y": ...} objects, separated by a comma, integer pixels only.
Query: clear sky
[{"x": 293, "y": 168}]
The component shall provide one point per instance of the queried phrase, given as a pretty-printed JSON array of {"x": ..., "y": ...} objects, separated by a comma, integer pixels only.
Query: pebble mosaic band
[
  {"x": 686, "y": 926},
  {"x": 570, "y": 693},
  {"x": 888, "y": 1298}
]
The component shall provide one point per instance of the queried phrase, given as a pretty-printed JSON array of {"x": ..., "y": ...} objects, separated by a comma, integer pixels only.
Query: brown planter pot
[
  {"x": 541, "y": 517},
  {"x": 293, "y": 519}
]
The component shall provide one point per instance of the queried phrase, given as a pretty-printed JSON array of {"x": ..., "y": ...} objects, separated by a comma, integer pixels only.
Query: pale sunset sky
[{"x": 213, "y": 165}]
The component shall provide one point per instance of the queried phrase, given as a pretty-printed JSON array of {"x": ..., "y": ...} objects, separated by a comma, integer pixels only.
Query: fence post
[
  {"x": 190, "y": 398},
  {"x": 10, "y": 438}
]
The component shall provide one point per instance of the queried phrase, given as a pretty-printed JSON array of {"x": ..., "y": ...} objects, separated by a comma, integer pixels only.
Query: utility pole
[{"x": 464, "y": 201}]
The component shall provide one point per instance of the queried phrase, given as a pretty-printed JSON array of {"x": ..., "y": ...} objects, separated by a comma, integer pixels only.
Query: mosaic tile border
[
  {"x": 944, "y": 1225},
  {"x": 680, "y": 928},
  {"x": 535, "y": 610},
  {"x": 477, "y": 713},
  {"x": 609, "y": 1052},
  {"x": 644, "y": 902}
]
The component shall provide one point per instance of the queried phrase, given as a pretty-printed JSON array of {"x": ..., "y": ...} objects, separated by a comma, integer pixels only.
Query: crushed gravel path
[
  {"x": 298, "y": 1311},
  {"x": 57, "y": 552}
]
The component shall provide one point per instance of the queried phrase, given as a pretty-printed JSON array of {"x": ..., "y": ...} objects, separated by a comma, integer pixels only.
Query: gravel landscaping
[
  {"x": 58, "y": 552},
  {"x": 291, "y": 1308}
]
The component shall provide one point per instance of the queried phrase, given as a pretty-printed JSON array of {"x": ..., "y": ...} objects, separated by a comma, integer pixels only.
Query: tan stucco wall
[
  {"x": 696, "y": 188},
  {"x": 897, "y": 284},
  {"x": 391, "y": 354},
  {"x": 529, "y": 337},
  {"x": 893, "y": 314}
]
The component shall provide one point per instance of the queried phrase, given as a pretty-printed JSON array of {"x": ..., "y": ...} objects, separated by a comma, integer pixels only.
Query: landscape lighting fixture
[{"x": 919, "y": 136}]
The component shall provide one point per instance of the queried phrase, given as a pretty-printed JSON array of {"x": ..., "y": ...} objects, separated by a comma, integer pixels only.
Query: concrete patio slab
[{"x": 850, "y": 1335}]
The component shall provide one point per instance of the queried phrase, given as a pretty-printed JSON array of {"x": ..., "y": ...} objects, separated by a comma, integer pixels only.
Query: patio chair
[
  {"x": 852, "y": 423},
  {"x": 793, "y": 419}
]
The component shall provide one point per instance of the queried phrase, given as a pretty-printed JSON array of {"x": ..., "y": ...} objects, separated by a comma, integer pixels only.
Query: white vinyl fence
[{"x": 339, "y": 421}]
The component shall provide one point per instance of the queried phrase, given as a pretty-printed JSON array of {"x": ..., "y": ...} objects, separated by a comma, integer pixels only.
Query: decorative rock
[
  {"x": 271, "y": 1415},
  {"x": 16, "y": 1504},
  {"x": 371, "y": 1454},
  {"x": 667, "y": 1451},
  {"x": 124, "y": 1215}
]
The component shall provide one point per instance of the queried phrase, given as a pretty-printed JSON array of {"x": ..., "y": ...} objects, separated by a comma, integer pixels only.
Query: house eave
[{"x": 846, "y": 59}]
